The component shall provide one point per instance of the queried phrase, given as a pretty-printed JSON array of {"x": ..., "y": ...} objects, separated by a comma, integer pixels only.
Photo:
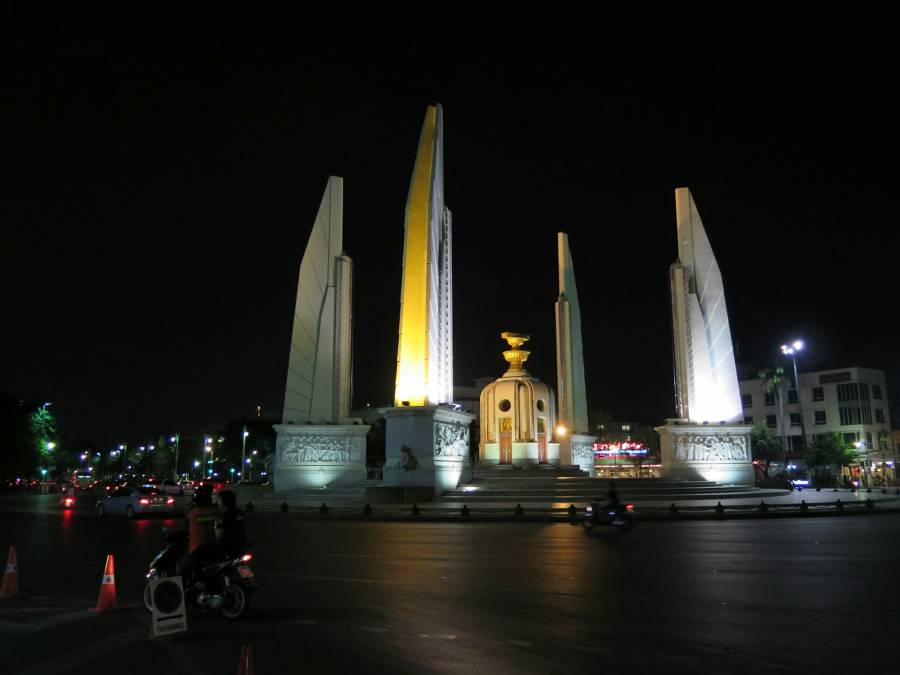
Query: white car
[{"x": 171, "y": 487}]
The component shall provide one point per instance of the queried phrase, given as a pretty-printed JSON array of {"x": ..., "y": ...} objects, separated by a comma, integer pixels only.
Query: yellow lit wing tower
[{"x": 425, "y": 346}]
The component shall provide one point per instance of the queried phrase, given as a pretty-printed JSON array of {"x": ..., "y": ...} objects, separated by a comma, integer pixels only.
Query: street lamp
[
  {"x": 176, "y": 439},
  {"x": 123, "y": 447},
  {"x": 791, "y": 350},
  {"x": 244, "y": 435}
]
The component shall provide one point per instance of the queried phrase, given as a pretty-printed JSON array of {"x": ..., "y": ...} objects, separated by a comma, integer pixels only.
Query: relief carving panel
[
  {"x": 319, "y": 449},
  {"x": 451, "y": 441},
  {"x": 711, "y": 449}
]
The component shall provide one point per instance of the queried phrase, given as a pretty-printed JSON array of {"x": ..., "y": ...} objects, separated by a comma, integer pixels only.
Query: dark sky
[{"x": 163, "y": 172}]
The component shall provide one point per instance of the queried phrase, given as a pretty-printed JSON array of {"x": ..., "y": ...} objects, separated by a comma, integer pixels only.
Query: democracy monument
[{"x": 523, "y": 423}]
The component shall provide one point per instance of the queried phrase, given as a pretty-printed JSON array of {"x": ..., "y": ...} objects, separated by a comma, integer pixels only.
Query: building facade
[{"x": 852, "y": 402}]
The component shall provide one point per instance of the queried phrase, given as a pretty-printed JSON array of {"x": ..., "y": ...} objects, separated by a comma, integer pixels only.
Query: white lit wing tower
[
  {"x": 319, "y": 366},
  {"x": 706, "y": 385}
]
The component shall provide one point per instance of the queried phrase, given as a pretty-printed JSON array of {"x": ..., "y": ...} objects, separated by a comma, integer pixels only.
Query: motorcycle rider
[
  {"x": 201, "y": 522},
  {"x": 612, "y": 495}
]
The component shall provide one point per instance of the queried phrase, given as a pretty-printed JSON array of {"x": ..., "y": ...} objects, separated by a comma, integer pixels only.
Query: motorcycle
[
  {"x": 67, "y": 502},
  {"x": 225, "y": 585},
  {"x": 618, "y": 516}
]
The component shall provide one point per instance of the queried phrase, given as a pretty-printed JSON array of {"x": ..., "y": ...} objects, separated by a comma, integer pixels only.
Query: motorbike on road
[
  {"x": 225, "y": 584},
  {"x": 618, "y": 516}
]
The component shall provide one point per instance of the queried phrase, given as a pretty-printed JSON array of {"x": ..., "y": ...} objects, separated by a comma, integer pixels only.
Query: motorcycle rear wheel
[{"x": 235, "y": 601}]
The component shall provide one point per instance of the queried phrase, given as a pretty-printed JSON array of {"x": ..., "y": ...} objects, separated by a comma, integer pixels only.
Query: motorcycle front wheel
[{"x": 235, "y": 601}]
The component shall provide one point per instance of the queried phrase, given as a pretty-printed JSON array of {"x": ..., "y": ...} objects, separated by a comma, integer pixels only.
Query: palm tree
[{"x": 772, "y": 383}]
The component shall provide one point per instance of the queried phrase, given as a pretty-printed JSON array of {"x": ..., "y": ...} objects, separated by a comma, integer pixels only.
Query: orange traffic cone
[
  {"x": 245, "y": 664},
  {"x": 106, "y": 601},
  {"x": 10, "y": 586}
]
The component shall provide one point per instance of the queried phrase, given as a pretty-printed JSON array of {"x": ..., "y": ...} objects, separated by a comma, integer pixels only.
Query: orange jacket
[{"x": 201, "y": 526}]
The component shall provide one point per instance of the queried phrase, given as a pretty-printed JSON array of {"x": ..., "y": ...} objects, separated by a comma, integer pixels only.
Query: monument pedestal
[
  {"x": 426, "y": 446},
  {"x": 316, "y": 455},
  {"x": 580, "y": 448},
  {"x": 716, "y": 452}
]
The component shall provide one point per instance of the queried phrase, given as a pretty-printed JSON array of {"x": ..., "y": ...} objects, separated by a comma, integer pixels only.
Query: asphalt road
[{"x": 749, "y": 596}]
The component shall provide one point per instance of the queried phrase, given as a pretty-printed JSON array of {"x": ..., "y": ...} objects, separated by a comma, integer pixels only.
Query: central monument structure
[
  {"x": 708, "y": 439},
  {"x": 426, "y": 436}
]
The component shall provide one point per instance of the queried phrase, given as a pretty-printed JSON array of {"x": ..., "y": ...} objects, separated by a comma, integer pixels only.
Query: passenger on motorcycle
[{"x": 231, "y": 528}]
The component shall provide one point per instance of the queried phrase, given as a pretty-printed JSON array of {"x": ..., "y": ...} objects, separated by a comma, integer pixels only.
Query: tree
[
  {"x": 772, "y": 383},
  {"x": 829, "y": 449},
  {"x": 766, "y": 447}
]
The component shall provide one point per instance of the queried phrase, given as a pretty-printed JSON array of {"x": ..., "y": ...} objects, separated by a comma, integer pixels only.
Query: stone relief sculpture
[
  {"x": 320, "y": 449},
  {"x": 582, "y": 452},
  {"x": 451, "y": 441},
  {"x": 711, "y": 449}
]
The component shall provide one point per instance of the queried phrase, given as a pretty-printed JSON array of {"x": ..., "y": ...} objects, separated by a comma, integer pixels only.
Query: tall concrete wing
[
  {"x": 571, "y": 394},
  {"x": 425, "y": 345},
  {"x": 706, "y": 385},
  {"x": 319, "y": 366}
]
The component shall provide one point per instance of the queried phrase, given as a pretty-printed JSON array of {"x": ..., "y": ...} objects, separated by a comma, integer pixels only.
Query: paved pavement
[{"x": 798, "y": 595}]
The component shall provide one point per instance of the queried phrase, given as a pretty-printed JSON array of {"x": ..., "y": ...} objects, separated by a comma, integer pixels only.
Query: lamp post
[
  {"x": 122, "y": 448},
  {"x": 176, "y": 439},
  {"x": 791, "y": 350},
  {"x": 244, "y": 435},
  {"x": 209, "y": 450}
]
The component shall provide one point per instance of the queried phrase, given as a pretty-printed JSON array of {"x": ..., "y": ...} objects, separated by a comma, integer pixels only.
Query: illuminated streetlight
[
  {"x": 561, "y": 430},
  {"x": 244, "y": 435},
  {"x": 792, "y": 350}
]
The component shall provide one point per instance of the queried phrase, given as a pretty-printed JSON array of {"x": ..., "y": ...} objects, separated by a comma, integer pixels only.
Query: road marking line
[
  {"x": 37, "y": 626},
  {"x": 63, "y": 664},
  {"x": 317, "y": 578}
]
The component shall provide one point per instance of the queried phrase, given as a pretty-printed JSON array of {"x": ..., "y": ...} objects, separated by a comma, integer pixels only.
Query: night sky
[{"x": 163, "y": 173}]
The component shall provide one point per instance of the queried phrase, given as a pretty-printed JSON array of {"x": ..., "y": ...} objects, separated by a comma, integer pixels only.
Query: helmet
[{"x": 202, "y": 495}]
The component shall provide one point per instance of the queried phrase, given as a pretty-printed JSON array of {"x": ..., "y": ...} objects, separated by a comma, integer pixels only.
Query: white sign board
[{"x": 167, "y": 597}]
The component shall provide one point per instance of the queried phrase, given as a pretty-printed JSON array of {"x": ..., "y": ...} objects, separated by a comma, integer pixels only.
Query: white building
[{"x": 850, "y": 401}]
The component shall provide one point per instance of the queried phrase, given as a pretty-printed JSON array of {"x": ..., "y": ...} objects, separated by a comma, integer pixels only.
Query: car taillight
[
  {"x": 247, "y": 557},
  {"x": 629, "y": 507},
  {"x": 170, "y": 500},
  {"x": 145, "y": 501},
  {"x": 69, "y": 501}
]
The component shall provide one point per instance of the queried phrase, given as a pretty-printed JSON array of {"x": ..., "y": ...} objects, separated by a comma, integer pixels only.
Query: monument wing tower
[
  {"x": 708, "y": 440},
  {"x": 571, "y": 392},
  {"x": 425, "y": 346},
  {"x": 575, "y": 443},
  {"x": 706, "y": 385},
  {"x": 319, "y": 365}
]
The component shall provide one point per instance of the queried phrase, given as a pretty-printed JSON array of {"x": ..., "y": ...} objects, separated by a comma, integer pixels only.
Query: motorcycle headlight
[{"x": 152, "y": 574}]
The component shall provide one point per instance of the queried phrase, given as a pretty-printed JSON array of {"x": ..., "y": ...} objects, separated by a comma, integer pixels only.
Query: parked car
[{"x": 136, "y": 501}]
